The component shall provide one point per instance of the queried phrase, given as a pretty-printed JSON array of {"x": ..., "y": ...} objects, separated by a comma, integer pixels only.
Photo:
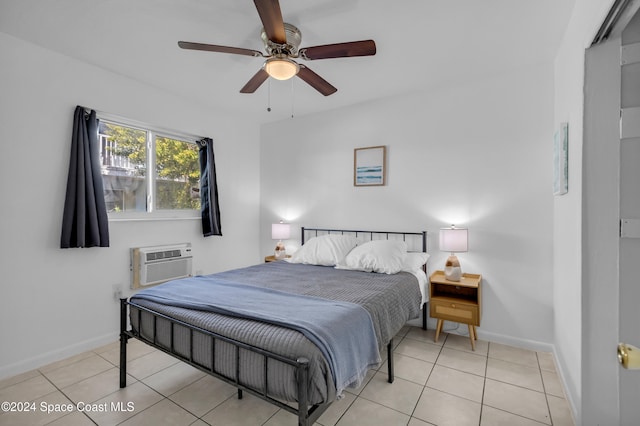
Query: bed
[{"x": 295, "y": 333}]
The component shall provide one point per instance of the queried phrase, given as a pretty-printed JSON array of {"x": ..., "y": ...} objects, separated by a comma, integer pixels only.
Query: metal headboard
[
  {"x": 422, "y": 236},
  {"x": 371, "y": 234}
]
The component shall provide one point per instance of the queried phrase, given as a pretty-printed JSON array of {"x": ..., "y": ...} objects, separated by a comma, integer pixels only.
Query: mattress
[{"x": 390, "y": 300}]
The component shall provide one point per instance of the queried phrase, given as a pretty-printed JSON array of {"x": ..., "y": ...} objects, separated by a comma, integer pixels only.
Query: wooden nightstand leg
[
  {"x": 475, "y": 333},
  {"x": 438, "y": 330},
  {"x": 472, "y": 337}
]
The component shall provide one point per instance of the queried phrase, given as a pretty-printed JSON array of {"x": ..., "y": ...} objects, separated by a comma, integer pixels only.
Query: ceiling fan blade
[
  {"x": 215, "y": 48},
  {"x": 255, "y": 82},
  {"x": 271, "y": 17},
  {"x": 315, "y": 81},
  {"x": 339, "y": 50}
]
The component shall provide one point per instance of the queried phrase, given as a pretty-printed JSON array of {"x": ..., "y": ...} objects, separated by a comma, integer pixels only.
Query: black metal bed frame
[{"x": 307, "y": 413}]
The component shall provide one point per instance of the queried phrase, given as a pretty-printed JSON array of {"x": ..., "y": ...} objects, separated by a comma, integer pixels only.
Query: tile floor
[{"x": 442, "y": 383}]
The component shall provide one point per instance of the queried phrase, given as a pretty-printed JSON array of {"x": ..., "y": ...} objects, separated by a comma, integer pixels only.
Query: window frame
[{"x": 151, "y": 213}]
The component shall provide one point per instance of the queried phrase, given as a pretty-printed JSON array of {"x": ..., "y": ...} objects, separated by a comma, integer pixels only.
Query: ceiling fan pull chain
[
  {"x": 292, "y": 97},
  {"x": 269, "y": 95}
]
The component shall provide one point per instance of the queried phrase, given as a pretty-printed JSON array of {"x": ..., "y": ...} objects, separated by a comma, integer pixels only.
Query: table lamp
[
  {"x": 454, "y": 240},
  {"x": 280, "y": 231}
]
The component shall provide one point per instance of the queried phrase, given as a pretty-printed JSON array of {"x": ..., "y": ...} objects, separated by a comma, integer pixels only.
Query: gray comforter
[{"x": 390, "y": 300}]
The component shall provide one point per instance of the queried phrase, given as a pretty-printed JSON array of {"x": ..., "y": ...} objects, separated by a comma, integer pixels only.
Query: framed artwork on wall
[
  {"x": 369, "y": 166},
  {"x": 561, "y": 160}
]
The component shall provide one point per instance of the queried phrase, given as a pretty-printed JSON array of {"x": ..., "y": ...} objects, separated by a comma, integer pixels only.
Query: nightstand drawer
[{"x": 455, "y": 311}]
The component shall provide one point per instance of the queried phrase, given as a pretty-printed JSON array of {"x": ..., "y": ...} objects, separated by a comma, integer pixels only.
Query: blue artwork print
[
  {"x": 369, "y": 166},
  {"x": 368, "y": 175}
]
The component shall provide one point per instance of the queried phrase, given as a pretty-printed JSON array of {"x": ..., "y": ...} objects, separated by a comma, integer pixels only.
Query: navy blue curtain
[
  {"x": 84, "y": 221},
  {"x": 208, "y": 190}
]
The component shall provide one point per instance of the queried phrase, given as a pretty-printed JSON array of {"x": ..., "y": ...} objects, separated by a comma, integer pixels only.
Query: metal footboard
[{"x": 307, "y": 413}]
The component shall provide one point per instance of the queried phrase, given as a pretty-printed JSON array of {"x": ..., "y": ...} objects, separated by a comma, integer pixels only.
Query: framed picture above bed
[{"x": 369, "y": 166}]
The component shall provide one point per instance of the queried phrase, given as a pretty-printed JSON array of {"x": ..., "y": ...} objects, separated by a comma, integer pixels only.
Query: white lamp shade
[
  {"x": 454, "y": 240},
  {"x": 280, "y": 231}
]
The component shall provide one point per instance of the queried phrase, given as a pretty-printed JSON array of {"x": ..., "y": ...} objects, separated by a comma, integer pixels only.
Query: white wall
[
  {"x": 476, "y": 154},
  {"x": 569, "y": 295},
  {"x": 55, "y": 303}
]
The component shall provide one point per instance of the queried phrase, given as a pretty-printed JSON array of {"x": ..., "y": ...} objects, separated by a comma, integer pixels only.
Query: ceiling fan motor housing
[{"x": 294, "y": 38}]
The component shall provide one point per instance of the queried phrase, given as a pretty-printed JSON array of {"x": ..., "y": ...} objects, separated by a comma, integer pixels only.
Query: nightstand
[
  {"x": 457, "y": 301},
  {"x": 272, "y": 258}
]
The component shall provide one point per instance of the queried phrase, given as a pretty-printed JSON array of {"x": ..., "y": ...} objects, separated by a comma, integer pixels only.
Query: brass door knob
[{"x": 629, "y": 356}]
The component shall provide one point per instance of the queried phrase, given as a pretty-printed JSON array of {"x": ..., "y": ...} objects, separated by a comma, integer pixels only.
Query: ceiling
[{"x": 421, "y": 44}]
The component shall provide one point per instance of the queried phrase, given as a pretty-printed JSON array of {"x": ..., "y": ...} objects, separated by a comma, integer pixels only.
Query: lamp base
[
  {"x": 280, "y": 252},
  {"x": 452, "y": 270}
]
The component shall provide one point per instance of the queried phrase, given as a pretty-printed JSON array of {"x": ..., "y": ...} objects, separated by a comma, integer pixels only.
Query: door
[
  {"x": 629, "y": 249},
  {"x": 611, "y": 196}
]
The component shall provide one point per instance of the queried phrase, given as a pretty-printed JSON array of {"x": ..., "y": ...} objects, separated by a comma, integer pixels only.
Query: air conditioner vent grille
[{"x": 168, "y": 254}]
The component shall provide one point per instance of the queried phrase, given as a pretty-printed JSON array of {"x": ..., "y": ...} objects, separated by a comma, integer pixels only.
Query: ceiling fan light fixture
[{"x": 281, "y": 67}]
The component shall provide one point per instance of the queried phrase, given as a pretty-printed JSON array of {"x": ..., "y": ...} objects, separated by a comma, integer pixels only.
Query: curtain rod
[{"x": 117, "y": 119}]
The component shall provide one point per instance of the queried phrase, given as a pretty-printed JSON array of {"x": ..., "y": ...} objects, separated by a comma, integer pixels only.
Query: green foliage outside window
[
  {"x": 178, "y": 173},
  {"x": 176, "y": 165}
]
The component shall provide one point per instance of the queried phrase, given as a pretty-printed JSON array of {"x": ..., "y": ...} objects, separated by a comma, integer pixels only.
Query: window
[{"x": 144, "y": 170}]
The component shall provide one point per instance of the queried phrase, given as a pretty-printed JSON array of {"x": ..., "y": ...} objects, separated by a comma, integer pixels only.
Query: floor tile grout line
[
  {"x": 141, "y": 412},
  {"x": 233, "y": 395},
  {"x": 359, "y": 395},
  {"x": 166, "y": 398},
  {"x": 517, "y": 415},
  {"x": 544, "y": 389},
  {"x": 424, "y": 387},
  {"x": 516, "y": 363},
  {"x": 484, "y": 384},
  {"x": 68, "y": 365},
  {"x": 34, "y": 371},
  {"x": 271, "y": 416},
  {"x": 348, "y": 408},
  {"x": 152, "y": 405},
  {"x": 415, "y": 407},
  {"x": 517, "y": 386},
  {"x": 382, "y": 405},
  {"x": 66, "y": 396}
]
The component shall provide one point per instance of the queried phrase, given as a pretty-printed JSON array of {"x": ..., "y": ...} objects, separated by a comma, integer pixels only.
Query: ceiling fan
[{"x": 281, "y": 42}]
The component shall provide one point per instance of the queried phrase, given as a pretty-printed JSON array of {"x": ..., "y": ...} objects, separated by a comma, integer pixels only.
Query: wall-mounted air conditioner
[{"x": 157, "y": 264}]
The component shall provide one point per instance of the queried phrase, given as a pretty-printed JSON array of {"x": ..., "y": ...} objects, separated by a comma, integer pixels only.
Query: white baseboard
[
  {"x": 57, "y": 355},
  {"x": 462, "y": 330},
  {"x": 571, "y": 399},
  {"x": 531, "y": 345}
]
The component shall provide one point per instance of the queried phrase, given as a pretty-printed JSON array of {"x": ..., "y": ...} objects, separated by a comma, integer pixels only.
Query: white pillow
[
  {"x": 413, "y": 261},
  {"x": 382, "y": 256},
  {"x": 325, "y": 250}
]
